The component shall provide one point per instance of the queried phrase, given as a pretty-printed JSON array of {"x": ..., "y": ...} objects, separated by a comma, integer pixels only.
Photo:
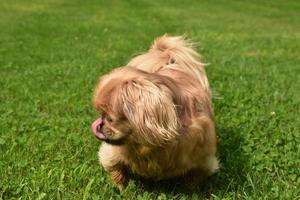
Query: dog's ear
[{"x": 149, "y": 107}]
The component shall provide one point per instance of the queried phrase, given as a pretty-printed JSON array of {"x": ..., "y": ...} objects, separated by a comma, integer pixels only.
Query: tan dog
[{"x": 156, "y": 118}]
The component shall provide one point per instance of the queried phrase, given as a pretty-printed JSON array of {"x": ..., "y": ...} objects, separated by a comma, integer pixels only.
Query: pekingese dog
[{"x": 156, "y": 117}]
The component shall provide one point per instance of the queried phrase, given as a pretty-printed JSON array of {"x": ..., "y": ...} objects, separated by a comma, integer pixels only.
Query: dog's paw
[{"x": 121, "y": 186}]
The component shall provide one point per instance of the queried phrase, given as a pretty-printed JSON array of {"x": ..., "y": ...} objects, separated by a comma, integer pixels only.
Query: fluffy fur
[{"x": 156, "y": 114}]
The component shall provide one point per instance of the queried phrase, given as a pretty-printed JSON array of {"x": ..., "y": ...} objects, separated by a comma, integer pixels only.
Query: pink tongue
[{"x": 94, "y": 126}]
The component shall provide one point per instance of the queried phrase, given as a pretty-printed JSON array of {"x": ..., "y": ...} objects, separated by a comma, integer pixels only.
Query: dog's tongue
[{"x": 94, "y": 128}]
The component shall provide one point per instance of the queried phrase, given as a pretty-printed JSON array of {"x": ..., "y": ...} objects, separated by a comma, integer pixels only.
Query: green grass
[{"x": 52, "y": 53}]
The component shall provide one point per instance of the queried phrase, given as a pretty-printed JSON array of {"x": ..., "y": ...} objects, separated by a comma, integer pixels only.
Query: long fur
[
  {"x": 157, "y": 121},
  {"x": 172, "y": 53},
  {"x": 161, "y": 108}
]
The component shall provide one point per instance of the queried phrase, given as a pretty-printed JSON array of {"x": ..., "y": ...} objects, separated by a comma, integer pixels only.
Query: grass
[{"x": 52, "y": 53}]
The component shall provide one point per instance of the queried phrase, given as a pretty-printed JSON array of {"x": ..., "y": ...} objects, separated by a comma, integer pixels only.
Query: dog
[{"x": 156, "y": 116}]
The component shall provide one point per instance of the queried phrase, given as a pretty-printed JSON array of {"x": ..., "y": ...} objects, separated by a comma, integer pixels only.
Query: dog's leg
[
  {"x": 120, "y": 177},
  {"x": 111, "y": 159},
  {"x": 202, "y": 172},
  {"x": 202, "y": 130}
]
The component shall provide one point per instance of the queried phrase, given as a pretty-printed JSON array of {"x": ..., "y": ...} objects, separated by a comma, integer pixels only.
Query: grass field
[{"x": 52, "y": 53}]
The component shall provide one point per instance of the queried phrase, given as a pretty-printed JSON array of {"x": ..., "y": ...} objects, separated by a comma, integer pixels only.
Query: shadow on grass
[{"x": 232, "y": 172}]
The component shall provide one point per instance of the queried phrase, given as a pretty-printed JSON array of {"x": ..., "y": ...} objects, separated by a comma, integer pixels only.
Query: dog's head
[{"x": 136, "y": 106}]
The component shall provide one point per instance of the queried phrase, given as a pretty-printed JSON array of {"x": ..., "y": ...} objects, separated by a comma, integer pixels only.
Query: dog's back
[{"x": 172, "y": 53}]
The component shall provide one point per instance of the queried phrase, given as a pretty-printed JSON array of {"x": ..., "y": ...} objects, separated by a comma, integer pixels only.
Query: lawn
[{"x": 53, "y": 52}]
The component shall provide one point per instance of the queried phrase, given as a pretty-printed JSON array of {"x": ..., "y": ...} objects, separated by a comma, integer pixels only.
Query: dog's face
[
  {"x": 111, "y": 128},
  {"x": 135, "y": 106}
]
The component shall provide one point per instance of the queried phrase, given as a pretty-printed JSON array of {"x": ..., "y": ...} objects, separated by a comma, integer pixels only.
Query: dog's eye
[{"x": 108, "y": 119}]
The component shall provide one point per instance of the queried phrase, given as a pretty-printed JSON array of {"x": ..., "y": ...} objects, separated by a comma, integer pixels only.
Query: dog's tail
[
  {"x": 173, "y": 53},
  {"x": 179, "y": 54}
]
